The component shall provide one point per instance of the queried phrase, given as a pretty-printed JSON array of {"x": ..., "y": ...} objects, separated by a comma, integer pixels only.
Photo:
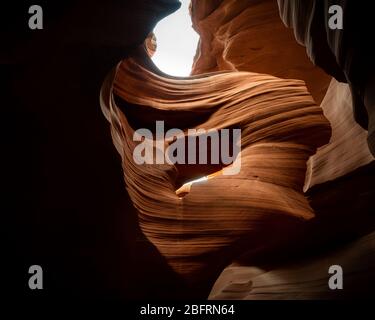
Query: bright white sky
[{"x": 176, "y": 42}]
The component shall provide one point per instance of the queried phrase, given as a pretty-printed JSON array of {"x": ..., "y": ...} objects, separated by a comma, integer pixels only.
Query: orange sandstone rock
[{"x": 226, "y": 215}]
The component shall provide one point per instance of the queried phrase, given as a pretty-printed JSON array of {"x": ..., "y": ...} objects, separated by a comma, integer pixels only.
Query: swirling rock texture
[
  {"x": 347, "y": 54},
  {"x": 195, "y": 247},
  {"x": 339, "y": 176},
  {"x": 302, "y": 279},
  {"x": 261, "y": 213},
  {"x": 249, "y": 35},
  {"x": 227, "y": 215},
  {"x": 66, "y": 188},
  {"x": 348, "y": 149},
  {"x": 65, "y": 199}
]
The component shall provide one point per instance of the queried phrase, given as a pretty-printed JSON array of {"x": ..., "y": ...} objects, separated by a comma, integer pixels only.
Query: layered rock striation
[{"x": 227, "y": 215}]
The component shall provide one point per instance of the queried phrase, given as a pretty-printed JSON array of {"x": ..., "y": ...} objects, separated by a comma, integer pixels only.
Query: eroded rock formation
[
  {"x": 347, "y": 54},
  {"x": 249, "y": 35},
  {"x": 262, "y": 209},
  {"x": 66, "y": 191},
  {"x": 66, "y": 205},
  {"x": 348, "y": 149},
  {"x": 302, "y": 279},
  {"x": 226, "y": 215}
]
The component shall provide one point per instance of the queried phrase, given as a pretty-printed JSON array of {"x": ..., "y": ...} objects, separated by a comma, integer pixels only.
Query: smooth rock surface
[
  {"x": 249, "y": 35},
  {"x": 226, "y": 215}
]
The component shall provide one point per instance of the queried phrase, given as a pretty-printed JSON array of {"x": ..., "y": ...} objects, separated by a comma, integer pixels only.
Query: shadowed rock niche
[{"x": 250, "y": 74}]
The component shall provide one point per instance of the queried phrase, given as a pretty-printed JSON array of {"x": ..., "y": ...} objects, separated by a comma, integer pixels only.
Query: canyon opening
[{"x": 176, "y": 42}]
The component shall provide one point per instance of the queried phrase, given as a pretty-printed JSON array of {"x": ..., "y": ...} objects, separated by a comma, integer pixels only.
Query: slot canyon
[{"x": 104, "y": 226}]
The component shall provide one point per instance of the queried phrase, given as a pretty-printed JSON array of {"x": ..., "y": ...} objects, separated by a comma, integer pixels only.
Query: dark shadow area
[{"x": 66, "y": 207}]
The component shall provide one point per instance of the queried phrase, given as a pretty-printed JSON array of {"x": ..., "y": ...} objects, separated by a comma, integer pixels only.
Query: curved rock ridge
[
  {"x": 220, "y": 218},
  {"x": 249, "y": 35},
  {"x": 346, "y": 53},
  {"x": 304, "y": 279},
  {"x": 348, "y": 149}
]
